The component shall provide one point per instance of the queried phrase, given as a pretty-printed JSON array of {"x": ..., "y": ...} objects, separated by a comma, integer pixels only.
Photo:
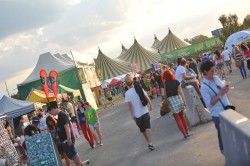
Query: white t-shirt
[
  {"x": 70, "y": 109},
  {"x": 226, "y": 55},
  {"x": 42, "y": 125},
  {"x": 179, "y": 73},
  {"x": 138, "y": 108}
]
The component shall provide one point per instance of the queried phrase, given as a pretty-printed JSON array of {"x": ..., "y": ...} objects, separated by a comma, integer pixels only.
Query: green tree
[
  {"x": 230, "y": 25},
  {"x": 196, "y": 39},
  {"x": 246, "y": 22}
]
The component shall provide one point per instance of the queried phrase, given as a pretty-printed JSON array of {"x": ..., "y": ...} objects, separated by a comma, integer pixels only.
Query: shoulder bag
[
  {"x": 141, "y": 94},
  {"x": 225, "y": 107},
  {"x": 164, "y": 106}
]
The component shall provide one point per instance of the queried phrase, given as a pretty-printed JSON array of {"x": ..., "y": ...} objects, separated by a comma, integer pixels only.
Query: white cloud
[{"x": 33, "y": 28}]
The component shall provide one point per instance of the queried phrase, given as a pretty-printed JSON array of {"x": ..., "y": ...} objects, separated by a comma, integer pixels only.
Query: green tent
[
  {"x": 65, "y": 67},
  {"x": 64, "y": 89}
]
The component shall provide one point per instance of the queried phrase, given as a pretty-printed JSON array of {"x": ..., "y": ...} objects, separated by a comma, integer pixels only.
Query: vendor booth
[{"x": 12, "y": 108}]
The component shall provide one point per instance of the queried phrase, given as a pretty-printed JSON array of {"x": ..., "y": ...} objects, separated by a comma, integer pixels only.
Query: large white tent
[
  {"x": 49, "y": 62},
  {"x": 12, "y": 108},
  {"x": 237, "y": 38}
]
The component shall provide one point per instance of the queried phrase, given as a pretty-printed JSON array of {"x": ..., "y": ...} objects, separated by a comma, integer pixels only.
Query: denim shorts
[
  {"x": 220, "y": 65},
  {"x": 70, "y": 150}
]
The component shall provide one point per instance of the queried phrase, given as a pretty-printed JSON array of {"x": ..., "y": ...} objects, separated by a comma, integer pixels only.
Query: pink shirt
[{"x": 247, "y": 53}]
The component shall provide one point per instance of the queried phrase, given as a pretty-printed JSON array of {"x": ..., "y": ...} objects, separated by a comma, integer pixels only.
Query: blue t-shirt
[
  {"x": 205, "y": 59},
  {"x": 81, "y": 116},
  {"x": 175, "y": 67}
]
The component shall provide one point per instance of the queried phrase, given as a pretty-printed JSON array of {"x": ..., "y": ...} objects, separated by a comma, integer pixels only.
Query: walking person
[
  {"x": 239, "y": 60},
  {"x": 110, "y": 98},
  {"x": 227, "y": 59},
  {"x": 65, "y": 134},
  {"x": 177, "y": 101},
  {"x": 70, "y": 108},
  {"x": 214, "y": 95},
  {"x": 139, "y": 113},
  {"x": 102, "y": 99},
  {"x": 220, "y": 64},
  {"x": 51, "y": 123},
  {"x": 85, "y": 130},
  {"x": 93, "y": 122},
  {"x": 247, "y": 54}
]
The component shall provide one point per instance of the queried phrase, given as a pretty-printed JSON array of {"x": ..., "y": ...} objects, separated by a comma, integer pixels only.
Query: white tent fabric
[
  {"x": 12, "y": 108},
  {"x": 237, "y": 38},
  {"x": 83, "y": 58},
  {"x": 64, "y": 57},
  {"x": 48, "y": 62}
]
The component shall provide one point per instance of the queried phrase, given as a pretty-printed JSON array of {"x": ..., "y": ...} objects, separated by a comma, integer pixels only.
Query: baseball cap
[
  {"x": 35, "y": 120},
  {"x": 128, "y": 80}
]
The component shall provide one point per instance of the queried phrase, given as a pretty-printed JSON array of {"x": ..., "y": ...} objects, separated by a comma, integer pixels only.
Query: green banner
[{"x": 192, "y": 49}]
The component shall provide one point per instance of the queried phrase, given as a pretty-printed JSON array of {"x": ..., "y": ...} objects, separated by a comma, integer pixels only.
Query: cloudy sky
[{"x": 30, "y": 28}]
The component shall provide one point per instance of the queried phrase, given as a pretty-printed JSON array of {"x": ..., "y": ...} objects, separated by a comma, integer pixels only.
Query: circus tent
[
  {"x": 156, "y": 41},
  {"x": 123, "y": 50},
  {"x": 110, "y": 68},
  {"x": 170, "y": 43},
  {"x": 140, "y": 56}
]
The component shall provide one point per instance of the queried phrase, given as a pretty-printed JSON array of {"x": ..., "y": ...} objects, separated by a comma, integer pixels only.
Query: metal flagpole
[{"x": 7, "y": 88}]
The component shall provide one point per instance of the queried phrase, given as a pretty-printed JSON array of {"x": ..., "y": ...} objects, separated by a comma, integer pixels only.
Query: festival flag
[
  {"x": 53, "y": 77},
  {"x": 43, "y": 78}
]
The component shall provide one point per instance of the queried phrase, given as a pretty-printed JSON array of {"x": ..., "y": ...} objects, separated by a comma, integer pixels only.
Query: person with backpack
[{"x": 138, "y": 100}]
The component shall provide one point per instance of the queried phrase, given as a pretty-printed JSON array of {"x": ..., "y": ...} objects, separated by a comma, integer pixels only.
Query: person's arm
[
  {"x": 187, "y": 77},
  {"x": 180, "y": 91},
  {"x": 97, "y": 117},
  {"x": 131, "y": 109},
  {"x": 68, "y": 133},
  {"x": 221, "y": 93},
  {"x": 149, "y": 102}
]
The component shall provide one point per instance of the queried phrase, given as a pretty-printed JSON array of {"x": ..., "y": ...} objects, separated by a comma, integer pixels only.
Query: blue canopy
[{"x": 12, "y": 108}]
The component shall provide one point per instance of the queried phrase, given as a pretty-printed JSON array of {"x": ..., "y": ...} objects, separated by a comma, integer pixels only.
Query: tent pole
[{"x": 7, "y": 88}]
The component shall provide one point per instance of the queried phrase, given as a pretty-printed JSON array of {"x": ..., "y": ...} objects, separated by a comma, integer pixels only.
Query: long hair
[
  {"x": 51, "y": 119},
  {"x": 168, "y": 75}
]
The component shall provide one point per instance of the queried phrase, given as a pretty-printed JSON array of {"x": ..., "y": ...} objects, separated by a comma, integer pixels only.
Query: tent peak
[
  {"x": 169, "y": 31},
  {"x": 135, "y": 41},
  {"x": 99, "y": 51},
  {"x": 123, "y": 47}
]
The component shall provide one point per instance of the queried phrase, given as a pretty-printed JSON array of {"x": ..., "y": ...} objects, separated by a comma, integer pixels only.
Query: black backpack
[{"x": 141, "y": 94}]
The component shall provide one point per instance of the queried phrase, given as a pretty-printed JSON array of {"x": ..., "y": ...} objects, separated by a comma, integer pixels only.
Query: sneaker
[
  {"x": 151, "y": 147},
  {"x": 185, "y": 137},
  {"x": 188, "y": 135},
  {"x": 92, "y": 146},
  {"x": 100, "y": 144}
]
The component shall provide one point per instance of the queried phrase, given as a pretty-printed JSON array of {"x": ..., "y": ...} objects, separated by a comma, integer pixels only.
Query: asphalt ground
[{"x": 124, "y": 145}]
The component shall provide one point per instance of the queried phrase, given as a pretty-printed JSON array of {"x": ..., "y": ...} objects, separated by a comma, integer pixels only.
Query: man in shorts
[
  {"x": 65, "y": 134},
  {"x": 140, "y": 113},
  {"x": 227, "y": 59}
]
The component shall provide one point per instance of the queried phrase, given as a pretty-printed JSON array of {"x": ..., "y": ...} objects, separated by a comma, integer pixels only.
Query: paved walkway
[{"x": 125, "y": 146}]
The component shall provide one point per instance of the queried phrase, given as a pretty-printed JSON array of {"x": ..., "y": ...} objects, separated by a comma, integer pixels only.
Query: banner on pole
[
  {"x": 43, "y": 78},
  {"x": 53, "y": 77}
]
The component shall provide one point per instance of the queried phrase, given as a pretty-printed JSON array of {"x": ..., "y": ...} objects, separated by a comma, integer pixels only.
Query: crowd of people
[{"x": 65, "y": 122}]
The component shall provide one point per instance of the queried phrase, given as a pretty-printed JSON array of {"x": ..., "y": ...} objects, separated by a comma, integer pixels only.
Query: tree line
[{"x": 230, "y": 24}]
